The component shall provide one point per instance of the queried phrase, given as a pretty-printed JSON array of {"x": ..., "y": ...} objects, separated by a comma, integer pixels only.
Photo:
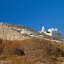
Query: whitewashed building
[{"x": 51, "y": 32}]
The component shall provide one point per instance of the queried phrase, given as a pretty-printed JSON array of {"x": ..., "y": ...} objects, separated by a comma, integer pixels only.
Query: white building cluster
[{"x": 51, "y": 32}]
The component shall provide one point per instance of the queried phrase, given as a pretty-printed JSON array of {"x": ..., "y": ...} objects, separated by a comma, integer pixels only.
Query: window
[{"x": 47, "y": 31}]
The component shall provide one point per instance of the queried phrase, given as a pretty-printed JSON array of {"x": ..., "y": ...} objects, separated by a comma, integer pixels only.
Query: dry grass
[{"x": 36, "y": 51}]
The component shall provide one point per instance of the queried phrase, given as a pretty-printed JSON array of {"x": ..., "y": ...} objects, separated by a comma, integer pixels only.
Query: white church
[{"x": 50, "y": 32}]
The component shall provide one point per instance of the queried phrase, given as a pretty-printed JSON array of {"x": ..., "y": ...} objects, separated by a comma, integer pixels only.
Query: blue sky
[{"x": 33, "y": 13}]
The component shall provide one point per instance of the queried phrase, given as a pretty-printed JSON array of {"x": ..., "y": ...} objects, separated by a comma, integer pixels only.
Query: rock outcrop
[
  {"x": 7, "y": 33},
  {"x": 14, "y": 32}
]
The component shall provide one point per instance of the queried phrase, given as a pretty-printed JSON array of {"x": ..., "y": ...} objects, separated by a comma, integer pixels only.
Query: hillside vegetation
[{"x": 31, "y": 51}]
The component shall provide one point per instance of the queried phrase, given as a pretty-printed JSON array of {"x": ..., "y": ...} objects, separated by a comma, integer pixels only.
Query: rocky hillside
[
  {"x": 14, "y": 32},
  {"x": 22, "y": 45}
]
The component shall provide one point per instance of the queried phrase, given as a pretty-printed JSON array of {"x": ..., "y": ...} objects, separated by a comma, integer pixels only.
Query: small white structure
[
  {"x": 43, "y": 29},
  {"x": 51, "y": 32}
]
